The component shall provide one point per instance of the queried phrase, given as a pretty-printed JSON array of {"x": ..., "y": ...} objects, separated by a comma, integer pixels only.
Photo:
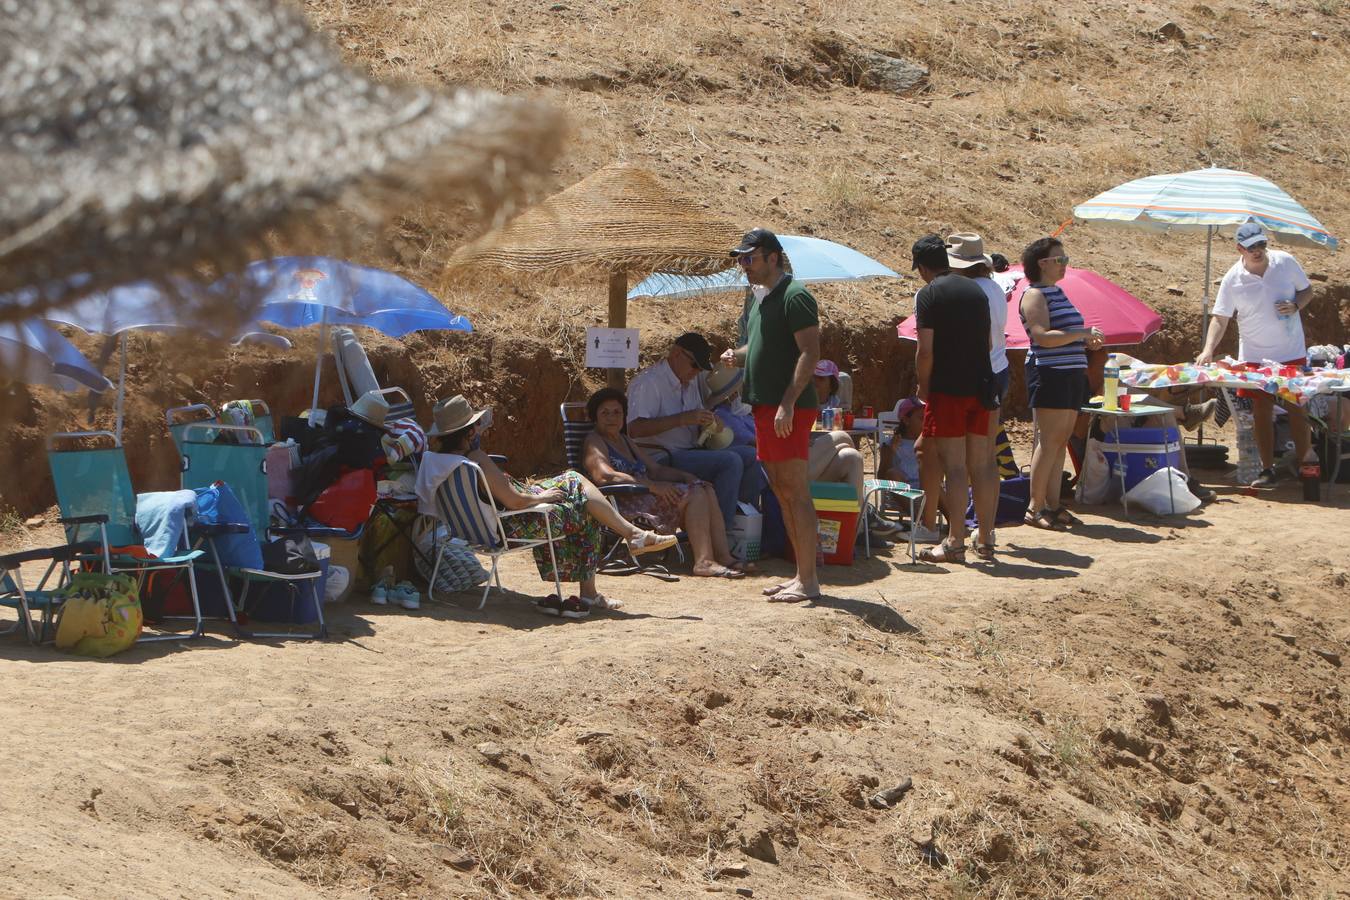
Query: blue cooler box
[{"x": 1142, "y": 451}]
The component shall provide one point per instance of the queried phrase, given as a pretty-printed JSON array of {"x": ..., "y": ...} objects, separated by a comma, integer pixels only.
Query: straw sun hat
[{"x": 452, "y": 414}]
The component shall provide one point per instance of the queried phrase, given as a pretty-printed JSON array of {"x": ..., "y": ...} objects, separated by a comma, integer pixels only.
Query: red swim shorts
[
  {"x": 949, "y": 416},
  {"x": 796, "y": 445}
]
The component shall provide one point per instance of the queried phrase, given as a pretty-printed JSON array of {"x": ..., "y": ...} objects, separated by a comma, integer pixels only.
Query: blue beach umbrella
[
  {"x": 145, "y": 306},
  {"x": 1211, "y": 200},
  {"x": 35, "y": 353},
  {"x": 814, "y": 261},
  {"x": 296, "y": 291}
]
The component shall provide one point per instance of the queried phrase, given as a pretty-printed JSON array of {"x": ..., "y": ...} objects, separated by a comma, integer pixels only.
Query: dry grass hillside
[{"x": 765, "y": 113}]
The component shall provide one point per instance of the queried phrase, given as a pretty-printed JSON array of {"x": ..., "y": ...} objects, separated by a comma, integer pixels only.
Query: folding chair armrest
[
  {"x": 96, "y": 519},
  {"x": 624, "y": 490},
  {"x": 63, "y": 553}
]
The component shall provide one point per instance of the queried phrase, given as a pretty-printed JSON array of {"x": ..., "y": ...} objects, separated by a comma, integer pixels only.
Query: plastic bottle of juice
[{"x": 1111, "y": 384}]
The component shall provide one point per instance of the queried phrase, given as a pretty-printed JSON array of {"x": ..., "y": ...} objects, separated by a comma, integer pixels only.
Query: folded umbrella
[{"x": 35, "y": 353}]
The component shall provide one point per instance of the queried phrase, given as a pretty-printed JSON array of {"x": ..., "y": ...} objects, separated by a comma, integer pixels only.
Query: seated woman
[
  {"x": 676, "y": 498},
  {"x": 899, "y": 461},
  {"x": 827, "y": 383},
  {"x": 581, "y": 509}
]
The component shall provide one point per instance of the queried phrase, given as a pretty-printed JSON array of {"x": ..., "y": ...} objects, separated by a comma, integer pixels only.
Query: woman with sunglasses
[{"x": 1056, "y": 371}]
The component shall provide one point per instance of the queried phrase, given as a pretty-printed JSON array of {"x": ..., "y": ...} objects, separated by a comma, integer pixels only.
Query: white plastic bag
[
  {"x": 336, "y": 585},
  {"x": 1095, "y": 484},
  {"x": 1154, "y": 494}
]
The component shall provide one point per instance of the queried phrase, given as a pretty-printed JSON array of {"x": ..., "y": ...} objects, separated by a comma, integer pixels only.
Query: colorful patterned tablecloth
[{"x": 1289, "y": 383}]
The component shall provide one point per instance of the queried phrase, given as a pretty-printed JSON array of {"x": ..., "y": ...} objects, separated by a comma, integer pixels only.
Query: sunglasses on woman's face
[{"x": 1062, "y": 260}]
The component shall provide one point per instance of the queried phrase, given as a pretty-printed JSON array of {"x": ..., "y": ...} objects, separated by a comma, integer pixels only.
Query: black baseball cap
[
  {"x": 698, "y": 348},
  {"x": 758, "y": 239},
  {"x": 930, "y": 250}
]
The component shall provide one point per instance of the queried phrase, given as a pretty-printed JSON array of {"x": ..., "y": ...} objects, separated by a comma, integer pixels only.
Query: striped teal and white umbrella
[{"x": 1211, "y": 200}]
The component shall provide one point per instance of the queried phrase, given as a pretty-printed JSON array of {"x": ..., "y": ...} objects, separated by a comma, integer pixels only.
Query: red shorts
[
  {"x": 948, "y": 416},
  {"x": 771, "y": 447}
]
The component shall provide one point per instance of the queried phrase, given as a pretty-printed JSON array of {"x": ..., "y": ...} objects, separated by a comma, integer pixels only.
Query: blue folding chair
[
  {"x": 243, "y": 466},
  {"x": 180, "y": 417},
  {"x": 466, "y": 508},
  {"x": 98, "y": 504}
]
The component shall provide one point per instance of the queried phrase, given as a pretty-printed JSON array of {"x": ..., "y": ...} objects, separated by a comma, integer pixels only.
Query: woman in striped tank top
[{"x": 1056, "y": 370}]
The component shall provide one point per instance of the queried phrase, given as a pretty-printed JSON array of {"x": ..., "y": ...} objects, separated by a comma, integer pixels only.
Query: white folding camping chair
[
  {"x": 358, "y": 378},
  {"x": 461, "y": 507}
]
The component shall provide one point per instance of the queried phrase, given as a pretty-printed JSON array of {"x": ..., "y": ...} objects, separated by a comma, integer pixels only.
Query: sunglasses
[
  {"x": 1062, "y": 260},
  {"x": 745, "y": 258},
  {"x": 1260, "y": 245}
]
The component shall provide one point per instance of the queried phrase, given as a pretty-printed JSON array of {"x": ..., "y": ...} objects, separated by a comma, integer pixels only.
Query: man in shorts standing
[
  {"x": 952, "y": 364},
  {"x": 1266, "y": 290},
  {"x": 780, "y": 356}
]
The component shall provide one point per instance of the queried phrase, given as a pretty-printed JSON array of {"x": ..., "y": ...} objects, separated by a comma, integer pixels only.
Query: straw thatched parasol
[
  {"x": 140, "y": 138},
  {"x": 619, "y": 219}
]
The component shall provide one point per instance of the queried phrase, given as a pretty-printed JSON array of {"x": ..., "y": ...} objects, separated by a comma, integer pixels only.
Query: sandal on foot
[
  {"x": 575, "y": 607},
  {"x": 650, "y": 542},
  {"x": 943, "y": 553},
  {"x": 720, "y": 572},
  {"x": 796, "y": 595},
  {"x": 748, "y": 568},
  {"x": 773, "y": 589},
  {"x": 601, "y": 602},
  {"x": 1043, "y": 519},
  {"x": 1064, "y": 517},
  {"x": 985, "y": 551}
]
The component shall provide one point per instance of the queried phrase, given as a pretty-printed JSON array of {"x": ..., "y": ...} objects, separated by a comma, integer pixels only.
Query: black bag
[
  {"x": 290, "y": 556},
  {"x": 987, "y": 392}
]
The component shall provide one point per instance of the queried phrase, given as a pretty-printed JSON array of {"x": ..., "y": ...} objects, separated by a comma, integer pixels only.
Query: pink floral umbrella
[{"x": 1122, "y": 317}]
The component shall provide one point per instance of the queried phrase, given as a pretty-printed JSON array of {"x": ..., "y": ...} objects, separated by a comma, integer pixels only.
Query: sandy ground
[{"x": 1136, "y": 707}]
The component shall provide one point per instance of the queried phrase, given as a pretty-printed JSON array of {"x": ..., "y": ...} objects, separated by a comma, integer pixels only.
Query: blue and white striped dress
[{"x": 1063, "y": 316}]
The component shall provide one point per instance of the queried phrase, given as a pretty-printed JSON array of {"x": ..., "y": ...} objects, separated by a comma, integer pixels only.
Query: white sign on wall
[{"x": 611, "y": 348}]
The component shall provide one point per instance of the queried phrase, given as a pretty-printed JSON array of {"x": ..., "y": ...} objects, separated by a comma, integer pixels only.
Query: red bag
[{"x": 346, "y": 503}]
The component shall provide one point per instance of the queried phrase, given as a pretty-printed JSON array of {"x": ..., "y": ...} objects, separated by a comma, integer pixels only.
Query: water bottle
[
  {"x": 1310, "y": 473},
  {"x": 1249, "y": 458},
  {"x": 1111, "y": 385}
]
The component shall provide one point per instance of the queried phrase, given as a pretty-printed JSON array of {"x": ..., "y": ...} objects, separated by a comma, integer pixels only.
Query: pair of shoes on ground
[
  {"x": 575, "y": 607},
  {"x": 879, "y": 527},
  {"x": 1052, "y": 519},
  {"x": 923, "y": 535},
  {"x": 950, "y": 553},
  {"x": 403, "y": 593}
]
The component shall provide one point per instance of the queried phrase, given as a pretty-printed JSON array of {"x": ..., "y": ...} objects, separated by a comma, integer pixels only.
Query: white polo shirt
[
  {"x": 1262, "y": 332},
  {"x": 655, "y": 392}
]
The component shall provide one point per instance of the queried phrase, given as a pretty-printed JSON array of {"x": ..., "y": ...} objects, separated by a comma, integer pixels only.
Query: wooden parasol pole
[{"x": 618, "y": 316}]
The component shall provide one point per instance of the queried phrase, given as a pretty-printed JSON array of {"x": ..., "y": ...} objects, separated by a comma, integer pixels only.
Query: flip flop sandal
[
  {"x": 721, "y": 572},
  {"x": 575, "y": 608},
  {"x": 943, "y": 553},
  {"x": 549, "y": 606},
  {"x": 1043, "y": 519},
  {"x": 601, "y": 602},
  {"x": 1064, "y": 517},
  {"x": 748, "y": 568},
  {"x": 770, "y": 591},
  {"x": 792, "y": 597}
]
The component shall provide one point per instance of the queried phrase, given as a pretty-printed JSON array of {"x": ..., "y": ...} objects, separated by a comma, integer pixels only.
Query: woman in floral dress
[{"x": 579, "y": 509}]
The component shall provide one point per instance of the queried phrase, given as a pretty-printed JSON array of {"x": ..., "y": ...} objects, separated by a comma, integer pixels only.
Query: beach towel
[{"x": 162, "y": 518}]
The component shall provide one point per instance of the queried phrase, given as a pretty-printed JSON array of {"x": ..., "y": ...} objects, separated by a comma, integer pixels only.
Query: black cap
[
  {"x": 758, "y": 239},
  {"x": 698, "y": 348},
  {"x": 930, "y": 250}
]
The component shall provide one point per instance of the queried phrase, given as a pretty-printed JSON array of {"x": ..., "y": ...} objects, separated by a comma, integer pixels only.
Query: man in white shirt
[
  {"x": 1265, "y": 290},
  {"x": 666, "y": 414}
]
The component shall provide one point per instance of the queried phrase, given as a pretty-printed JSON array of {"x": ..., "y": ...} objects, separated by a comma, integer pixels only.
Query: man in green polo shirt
[{"x": 780, "y": 354}]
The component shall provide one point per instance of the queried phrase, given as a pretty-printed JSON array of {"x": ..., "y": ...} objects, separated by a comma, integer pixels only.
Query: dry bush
[{"x": 845, "y": 198}]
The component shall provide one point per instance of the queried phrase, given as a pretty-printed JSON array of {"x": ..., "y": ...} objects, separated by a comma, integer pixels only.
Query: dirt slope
[{"x": 1137, "y": 710}]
